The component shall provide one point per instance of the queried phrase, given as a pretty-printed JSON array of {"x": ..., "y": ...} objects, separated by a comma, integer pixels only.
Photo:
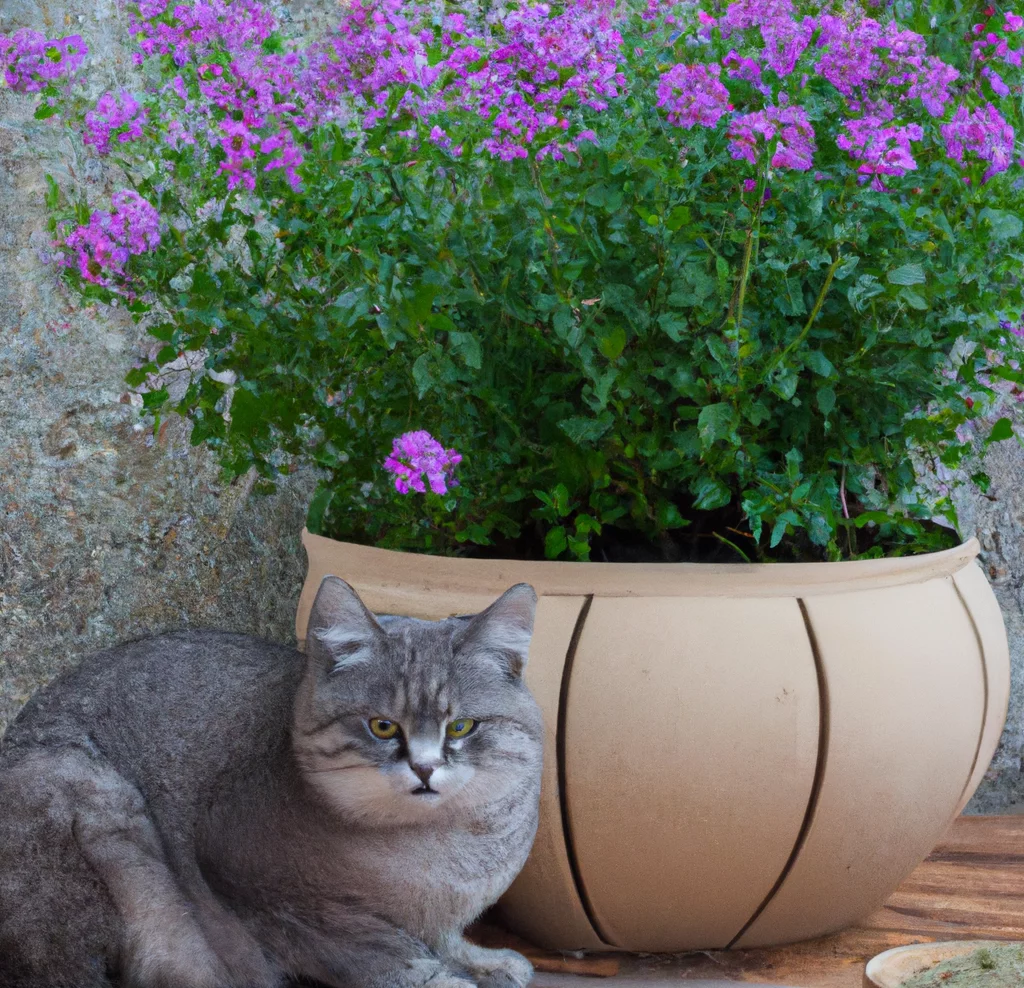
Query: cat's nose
[{"x": 424, "y": 772}]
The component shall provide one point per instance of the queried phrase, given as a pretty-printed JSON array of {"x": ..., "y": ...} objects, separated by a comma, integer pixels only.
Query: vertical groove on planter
[
  {"x": 985, "y": 689},
  {"x": 563, "y": 798},
  {"x": 819, "y": 774}
]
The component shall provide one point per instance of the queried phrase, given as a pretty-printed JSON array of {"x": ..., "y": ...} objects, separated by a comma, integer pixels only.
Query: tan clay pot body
[{"x": 737, "y": 755}]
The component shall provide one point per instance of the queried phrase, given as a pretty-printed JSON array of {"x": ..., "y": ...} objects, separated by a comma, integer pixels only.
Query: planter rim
[{"x": 414, "y": 571}]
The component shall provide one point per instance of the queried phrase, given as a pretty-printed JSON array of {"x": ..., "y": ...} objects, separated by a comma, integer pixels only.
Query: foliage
[{"x": 638, "y": 266}]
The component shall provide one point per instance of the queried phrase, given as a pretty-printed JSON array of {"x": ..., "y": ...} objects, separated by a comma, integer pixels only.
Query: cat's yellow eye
[
  {"x": 383, "y": 729},
  {"x": 461, "y": 727}
]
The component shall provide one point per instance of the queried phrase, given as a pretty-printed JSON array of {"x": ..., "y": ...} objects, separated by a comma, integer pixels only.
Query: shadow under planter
[{"x": 736, "y": 755}]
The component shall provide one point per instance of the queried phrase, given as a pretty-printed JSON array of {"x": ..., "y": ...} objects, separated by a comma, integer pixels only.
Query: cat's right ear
[{"x": 342, "y": 631}]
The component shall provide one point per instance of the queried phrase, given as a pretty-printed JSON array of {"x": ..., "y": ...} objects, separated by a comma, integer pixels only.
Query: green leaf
[
  {"x": 907, "y": 274},
  {"x": 555, "y": 542},
  {"x": 1004, "y": 225},
  {"x": 715, "y": 422},
  {"x": 246, "y": 411},
  {"x": 846, "y": 267},
  {"x": 318, "y": 508},
  {"x": 673, "y": 326},
  {"x": 669, "y": 517},
  {"x": 710, "y": 494},
  {"x": 560, "y": 501},
  {"x": 785, "y": 383},
  {"x": 779, "y": 528},
  {"x": 721, "y": 352},
  {"x": 614, "y": 343},
  {"x": 421, "y": 375},
  {"x": 913, "y": 299},
  {"x": 586, "y": 430},
  {"x": 154, "y": 400},
  {"x": 273, "y": 44},
  {"x": 826, "y": 400},
  {"x": 44, "y": 111},
  {"x": 163, "y": 331},
  {"x": 678, "y": 218},
  {"x": 52, "y": 192},
  {"x": 1003, "y": 429},
  {"x": 820, "y": 364},
  {"x": 467, "y": 346},
  {"x": 757, "y": 413}
]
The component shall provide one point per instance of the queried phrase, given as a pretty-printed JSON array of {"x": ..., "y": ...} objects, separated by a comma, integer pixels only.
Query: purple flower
[
  {"x": 743, "y": 14},
  {"x": 751, "y": 133},
  {"x": 118, "y": 116},
  {"x": 785, "y": 40},
  {"x": 995, "y": 80},
  {"x": 101, "y": 248},
  {"x": 931, "y": 85},
  {"x": 747, "y": 69},
  {"x": 289, "y": 159},
  {"x": 239, "y": 144},
  {"x": 880, "y": 149},
  {"x": 983, "y": 132},
  {"x": 692, "y": 95},
  {"x": 415, "y": 455},
  {"x": 30, "y": 61}
]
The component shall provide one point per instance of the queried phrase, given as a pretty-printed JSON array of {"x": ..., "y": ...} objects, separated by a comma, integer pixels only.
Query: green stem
[
  {"x": 545, "y": 203},
  {"x": 819, "y": 302},
  {"x": 733, "y": 546},
  {"x": 741, "y": 292}
]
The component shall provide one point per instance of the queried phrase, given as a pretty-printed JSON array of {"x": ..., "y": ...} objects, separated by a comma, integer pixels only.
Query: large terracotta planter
[{"x": 738, "y": 755}]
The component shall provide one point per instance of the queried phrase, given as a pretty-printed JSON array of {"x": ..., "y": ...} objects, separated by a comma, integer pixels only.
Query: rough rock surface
[
  {"x": 107, "y": 533},
  {"x": 997, "y": 520}
]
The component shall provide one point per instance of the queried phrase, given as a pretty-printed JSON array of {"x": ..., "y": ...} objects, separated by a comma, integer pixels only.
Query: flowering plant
[{"x": 729, "y": 274}]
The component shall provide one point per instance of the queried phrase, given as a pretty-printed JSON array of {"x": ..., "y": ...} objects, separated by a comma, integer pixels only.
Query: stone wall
[
  {"x": 997, "y": 520},
  {"x": 108, "y": 533}
]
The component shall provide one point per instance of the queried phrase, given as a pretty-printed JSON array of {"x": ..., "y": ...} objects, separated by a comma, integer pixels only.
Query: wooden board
[{"x": 970, "y": 887}]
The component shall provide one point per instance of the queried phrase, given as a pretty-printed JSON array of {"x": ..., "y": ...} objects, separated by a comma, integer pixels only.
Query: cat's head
[{"x": 404, "y": 721}]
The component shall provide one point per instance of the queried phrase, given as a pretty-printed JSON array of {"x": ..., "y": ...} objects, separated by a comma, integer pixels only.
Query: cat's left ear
[
  {"x": 342, "y": 630},
  {"x": 503, "y": 630}
]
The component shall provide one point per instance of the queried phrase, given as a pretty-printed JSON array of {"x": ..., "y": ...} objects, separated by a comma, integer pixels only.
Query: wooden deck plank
[{"x": 970, "y": 887}]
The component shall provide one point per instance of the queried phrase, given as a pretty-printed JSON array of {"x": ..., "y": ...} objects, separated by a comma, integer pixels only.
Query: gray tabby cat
[{"x": 208, "y": 810}]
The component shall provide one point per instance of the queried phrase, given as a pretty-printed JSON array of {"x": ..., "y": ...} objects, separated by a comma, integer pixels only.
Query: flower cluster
[
  {"x": 115, "y": 116},
  {"x": 880, "y": 74},
  {"x": 524, "y": 78},
  {"x": 543, "y": 66},
  {"x": 30, "y": 62},
  {"x": 788, "y": 126},
  {"x": 983, "y": 132},
  {"x": 881, "y": 149},
  {"x": 186, "y": 31},
  {"x": 100, "y": 249},
  {"x": 418, "y": 455},
  {"x": 692, "y": 95}
]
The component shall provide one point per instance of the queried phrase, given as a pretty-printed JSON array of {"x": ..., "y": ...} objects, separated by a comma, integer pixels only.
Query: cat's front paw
[
  {"x": 498, "y": 968},
  {"x": 433, "y": 974},
  {"x": 446, "y": 980}
]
